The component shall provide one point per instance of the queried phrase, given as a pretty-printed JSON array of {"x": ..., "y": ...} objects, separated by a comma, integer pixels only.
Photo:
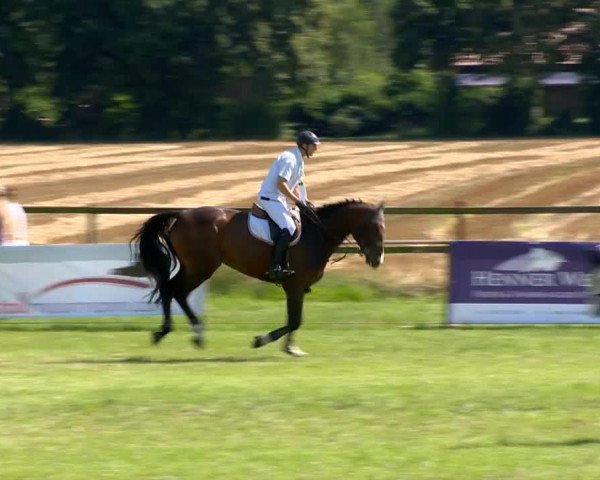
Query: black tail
[{"x": 152, "y": 253}]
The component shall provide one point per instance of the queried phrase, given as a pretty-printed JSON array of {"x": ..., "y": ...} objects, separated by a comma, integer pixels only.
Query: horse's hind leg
[
  {"x": 183, "y": 285},
  {"x": 196, "y": 323},
  {"x": 166, "y": 297}
]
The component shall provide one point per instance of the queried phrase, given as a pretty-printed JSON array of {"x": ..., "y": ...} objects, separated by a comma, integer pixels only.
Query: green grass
[
  {"x": 334, "y": 287},
  {"x": 235, "y": 311},
  {"x": 385, "y": 394}
]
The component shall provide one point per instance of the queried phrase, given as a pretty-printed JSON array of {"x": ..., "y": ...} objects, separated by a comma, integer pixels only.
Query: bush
[
  {"x": 510, "y": 115},
  {"x": 409, "y": 101},
  {"x": 592, "y": 103},
  {"x": 253, "y": 118}
]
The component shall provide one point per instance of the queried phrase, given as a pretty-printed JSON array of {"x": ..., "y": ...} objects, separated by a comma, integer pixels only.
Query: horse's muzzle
[{"x": 374, "y": 261}]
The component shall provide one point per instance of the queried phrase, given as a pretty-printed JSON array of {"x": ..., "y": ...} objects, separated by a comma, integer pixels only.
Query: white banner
[{"x": 77, "y": 280}]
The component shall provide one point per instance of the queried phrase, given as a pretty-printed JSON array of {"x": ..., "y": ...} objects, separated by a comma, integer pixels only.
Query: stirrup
[{"x": 278, "y": 273}]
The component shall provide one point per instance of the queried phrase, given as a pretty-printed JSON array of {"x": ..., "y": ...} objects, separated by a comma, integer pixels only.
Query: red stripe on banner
[
  {"x": 12, "y": 308},
  {"x": 126, "y": 282}
]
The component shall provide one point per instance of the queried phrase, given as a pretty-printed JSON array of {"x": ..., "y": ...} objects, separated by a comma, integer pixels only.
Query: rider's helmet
[{"x": 307, "y": 137}]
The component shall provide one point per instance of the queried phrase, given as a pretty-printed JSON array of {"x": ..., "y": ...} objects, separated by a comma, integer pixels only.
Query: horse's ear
[{"x": 380, "y": 211}]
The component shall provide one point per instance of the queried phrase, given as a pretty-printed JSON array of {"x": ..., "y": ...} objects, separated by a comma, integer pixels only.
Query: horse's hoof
[
  {"x": 198, "y": 342},
  {"x": 294, "y": 351},
  {"x": 156, "y": 337},
  {"x": 258, "y": 342}
]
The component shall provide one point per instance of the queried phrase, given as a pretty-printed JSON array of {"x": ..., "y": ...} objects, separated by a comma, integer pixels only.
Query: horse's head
[
  {"x": 369, "y": 232},
  {"x": 364, "y": 221}
]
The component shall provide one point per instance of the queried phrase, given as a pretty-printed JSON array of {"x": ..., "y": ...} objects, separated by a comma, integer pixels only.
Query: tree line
[{"x": 197, "y": 69}]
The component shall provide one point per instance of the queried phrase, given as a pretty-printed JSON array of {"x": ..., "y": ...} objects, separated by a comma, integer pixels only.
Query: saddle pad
[{"x": 259, "y": 229}]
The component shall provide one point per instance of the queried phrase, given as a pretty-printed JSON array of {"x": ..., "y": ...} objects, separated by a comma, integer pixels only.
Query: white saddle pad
[{"x": 259, "y": 228}]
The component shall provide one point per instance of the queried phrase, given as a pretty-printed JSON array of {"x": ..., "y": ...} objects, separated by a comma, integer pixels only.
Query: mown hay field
[{"x": 480, "y": 173}]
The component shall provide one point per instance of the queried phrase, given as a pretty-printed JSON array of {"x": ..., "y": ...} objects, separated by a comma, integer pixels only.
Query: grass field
[{"x": 385, "y": 394}]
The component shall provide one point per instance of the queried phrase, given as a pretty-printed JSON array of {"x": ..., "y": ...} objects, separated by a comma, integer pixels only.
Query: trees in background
[
  {"x": 516, "y": 40},
  {"x": 192, "y": 69},
  {"x": 147, "y": 68}
]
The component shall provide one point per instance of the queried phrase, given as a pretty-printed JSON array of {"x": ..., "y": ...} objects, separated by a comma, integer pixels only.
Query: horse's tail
[{"x": 153, "y": 249}]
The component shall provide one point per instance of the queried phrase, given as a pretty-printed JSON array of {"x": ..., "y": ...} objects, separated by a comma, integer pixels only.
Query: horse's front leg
[{"x": 295, "y": 301}]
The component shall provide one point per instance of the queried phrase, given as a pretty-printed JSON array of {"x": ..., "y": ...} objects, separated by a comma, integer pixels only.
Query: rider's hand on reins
[{"x": 306, "y": 208}]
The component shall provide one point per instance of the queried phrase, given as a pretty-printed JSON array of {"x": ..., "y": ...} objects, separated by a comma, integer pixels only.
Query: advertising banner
[
  {"x": 76, "y": 280},
  {"x": 522, "y": 282}
]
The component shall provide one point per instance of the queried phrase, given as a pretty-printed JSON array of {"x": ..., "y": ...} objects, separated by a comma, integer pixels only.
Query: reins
[{"x": 311, "y": 214}]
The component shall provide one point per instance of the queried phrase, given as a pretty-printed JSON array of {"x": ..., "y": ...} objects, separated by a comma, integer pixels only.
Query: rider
[{"x": 285, "y": 183}]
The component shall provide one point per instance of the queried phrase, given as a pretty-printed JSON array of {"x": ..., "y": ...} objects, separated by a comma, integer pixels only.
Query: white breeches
[{"x": 279, "y": 213}]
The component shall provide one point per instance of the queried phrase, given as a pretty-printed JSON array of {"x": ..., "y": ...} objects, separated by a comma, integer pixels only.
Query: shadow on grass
[
  {"x": 149, "y": 360},
  {"x": 573, "y": 442}
]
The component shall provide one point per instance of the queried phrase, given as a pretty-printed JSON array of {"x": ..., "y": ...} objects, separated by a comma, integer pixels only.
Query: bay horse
[{"x": 201, "y": 239}]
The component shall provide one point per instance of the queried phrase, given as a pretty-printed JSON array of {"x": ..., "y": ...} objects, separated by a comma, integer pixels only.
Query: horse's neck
[{"x": 341, "y": 225}]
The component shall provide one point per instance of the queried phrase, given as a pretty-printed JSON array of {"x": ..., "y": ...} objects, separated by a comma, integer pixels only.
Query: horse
[{"x": 180, "y": 250}]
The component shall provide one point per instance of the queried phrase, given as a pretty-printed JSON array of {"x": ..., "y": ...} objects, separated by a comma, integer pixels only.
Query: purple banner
[
  {"x": 521, "y": 272},
  {"x": 524, "y": 282}
]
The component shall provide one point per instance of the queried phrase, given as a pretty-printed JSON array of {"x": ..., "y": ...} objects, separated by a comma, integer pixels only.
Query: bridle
[
  {"x": 361, "y": 250},
  {"x": 311, "y": 214}
]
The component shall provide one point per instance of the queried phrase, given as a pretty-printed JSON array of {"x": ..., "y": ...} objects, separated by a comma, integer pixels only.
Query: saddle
[{"x": 261, "y": 226}]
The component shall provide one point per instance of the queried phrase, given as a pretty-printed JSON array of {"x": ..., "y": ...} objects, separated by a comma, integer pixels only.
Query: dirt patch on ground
[{"x": 507, "y": 173}]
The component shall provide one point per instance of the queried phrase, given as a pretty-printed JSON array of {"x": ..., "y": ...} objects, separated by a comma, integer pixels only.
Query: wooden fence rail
[{"x": 459, "y": 211}]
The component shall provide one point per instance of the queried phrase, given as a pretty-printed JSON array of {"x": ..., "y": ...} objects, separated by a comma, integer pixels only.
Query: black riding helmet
[{"x": 307, "y": 137}]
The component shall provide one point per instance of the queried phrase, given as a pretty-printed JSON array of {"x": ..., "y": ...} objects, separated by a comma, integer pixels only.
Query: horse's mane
[{"x": 330, "y": 208}]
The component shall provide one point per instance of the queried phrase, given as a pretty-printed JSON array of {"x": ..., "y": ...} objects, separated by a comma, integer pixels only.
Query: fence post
[
  {"x": 460, "y": 226},
  {"x": 91, "y": 234}
]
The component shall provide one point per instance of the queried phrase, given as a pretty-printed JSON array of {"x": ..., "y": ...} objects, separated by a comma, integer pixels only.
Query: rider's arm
[
  {"x": 283, "y": 188},
  {"x": 302, "y": 192}
]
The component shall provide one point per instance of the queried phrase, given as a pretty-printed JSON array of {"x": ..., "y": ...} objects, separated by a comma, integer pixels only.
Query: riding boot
[{"x": 279, "y": 267}]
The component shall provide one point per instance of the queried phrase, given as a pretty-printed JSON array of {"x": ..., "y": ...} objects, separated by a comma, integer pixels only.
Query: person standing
[
  {"x": 4, "y": 213},
  {"x": 284, "y": 185},
  {"x": 14, "y": 218}
]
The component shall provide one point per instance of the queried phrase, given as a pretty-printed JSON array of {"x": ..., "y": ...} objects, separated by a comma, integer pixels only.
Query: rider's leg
[
  {"x": 281, "y": 216},
  {"x": 279, "y": 265}
]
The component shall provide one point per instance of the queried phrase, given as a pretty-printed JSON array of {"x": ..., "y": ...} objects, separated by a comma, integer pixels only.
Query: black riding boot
[{"x": 279, "y": 267}]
